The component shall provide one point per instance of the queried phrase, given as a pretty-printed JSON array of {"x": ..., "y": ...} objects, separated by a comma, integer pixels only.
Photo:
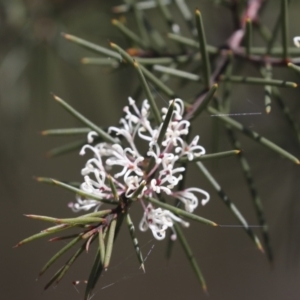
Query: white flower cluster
[{"x": 129, "y": 166}]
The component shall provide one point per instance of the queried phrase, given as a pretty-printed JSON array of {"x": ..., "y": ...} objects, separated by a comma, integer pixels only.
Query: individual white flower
[
  {"x": 126, "y": 159},
  {"x": 84, "y": 204},
  {"x": 297, "y": 41},
  {"x": 96, "y": 187},
  {"x": 159, "y": 220},
  {"x": 168, "y": 169},
  {"x": 192, "y": 150},
  {"x": 189, "y": 199},
  {"x": 132, "y": 183},
  {"x": 104, "y": 149},
  {"x": 175, "y": 131},
  {"x": 94, "y": 163},
  {"x": 157, "y": 187},
  {"x": 156, "y": 154}
]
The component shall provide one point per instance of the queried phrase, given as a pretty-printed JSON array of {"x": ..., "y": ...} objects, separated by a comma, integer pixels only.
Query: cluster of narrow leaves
[{"x": 149, "y": 56}]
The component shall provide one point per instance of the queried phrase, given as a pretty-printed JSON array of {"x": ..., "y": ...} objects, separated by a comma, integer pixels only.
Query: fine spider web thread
[
  {"x": 130, "y": 276},
  {"x": 237, "y": 114}
]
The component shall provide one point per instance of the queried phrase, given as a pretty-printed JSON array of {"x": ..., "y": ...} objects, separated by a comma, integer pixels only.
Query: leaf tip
[
  {"x": 84, "y": 60},
  {"x": 66, "y": 36},
  {"x": 56, "y": 98},
  {"x": 111, "y": 44},
  {"x": 260, "y": 248},
  {"x": 205, "y": 290},
  {"x": 28, "y": 216},
  {"x": 114, "y": 21},
  {"x": 38, "y": 179},
  {"x": 17, "y": 245},
  {"x": 135, "y": 64}
]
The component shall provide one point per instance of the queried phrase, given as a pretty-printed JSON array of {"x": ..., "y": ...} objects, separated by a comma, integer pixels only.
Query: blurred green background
[{"x": 35, "y": 61}]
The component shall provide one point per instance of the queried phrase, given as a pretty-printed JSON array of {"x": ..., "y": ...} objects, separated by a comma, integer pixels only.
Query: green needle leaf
[
  {"x": 53, "y": 279},
  {"x": 141, "y": 24},
  {"x": 63, "y": 270},
  {"x": 203, "y": 51},
  {"x": 101, "y": 244},
  {"x": 294, "y": 67},
  {"x": 248, "y": 37},
  {"x": 100, "y": 61},
  {"x": 154, "y": 80},
  {"x": 59, "y": 254},
  {"x": 90, "y": 46},
  {"x": 135, "y": 241},
  {"x": 94, "y": 276},
  {"x": 101, "y": 213},
  {"x": 254, "y": 135},
  {"x": 44, "y": 233},
  {"x": 165, "y": 124},
  {"x": 140, "y": 69},
  {"x": 287, "y": 112},
  {"x": 190, "y": 256},
  {"x": 110, "y": 242},
  {"x": 211, "y": 156},
  {"x": 176, "y": 72},
  {"x": 180, "y": 212},
  {"x": 69, "y": 221},
  {"x": 106, "y": 137},
  {"x": 209, "y": 95},
  {"x": 73, "y": 189},
  {"x": 138, "y": 191},
  {"x": 230, "y": 205},
  {"x": 67, "y": 148},
  {"x": 190, "y": 42},
  {"x": 66, "y": 131},
  {"x": 129, "y": 33},
  {"x": 267, "y": 72},
  {"x": 113, "y": 188},
  {"x": 257, "y": 203},
  {"x": 150, "y": 98},
  {"x": 284, "y": 28},
  {"x": 259, "y": 81},
  {"x": 141, "y": 5}
]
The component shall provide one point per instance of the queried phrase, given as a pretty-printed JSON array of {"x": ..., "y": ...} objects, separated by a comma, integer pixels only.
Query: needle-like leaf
[
  {"x": 74, "y": 190},
  {"x": 254, "y": 135},
  {"x": 180, "y": 212},
  {"x": 105, "y": 136}
]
